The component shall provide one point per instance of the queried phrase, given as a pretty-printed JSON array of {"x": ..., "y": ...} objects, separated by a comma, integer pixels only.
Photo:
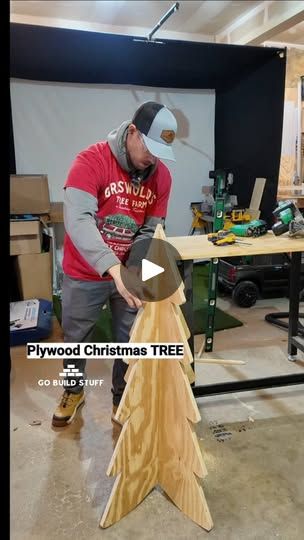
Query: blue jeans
[{"x": 81, "y": 306}]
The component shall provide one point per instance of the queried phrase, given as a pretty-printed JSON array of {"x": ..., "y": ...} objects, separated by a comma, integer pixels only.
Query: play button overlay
[{"x": 151, "y": 272}]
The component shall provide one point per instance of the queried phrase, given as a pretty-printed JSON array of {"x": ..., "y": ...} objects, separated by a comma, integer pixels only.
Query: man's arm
[
  {"x": 146, "y": 232},
  {"x": 159, "y": 208},
  {"x": 79, "y": 210}
]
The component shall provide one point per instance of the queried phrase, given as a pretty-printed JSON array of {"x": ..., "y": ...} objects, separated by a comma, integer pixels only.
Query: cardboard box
[
  {"x": 25, "y": 237},
  {"x": 29, "y": 194},
  {"x": 56, "y": 212},
  {"x": 35, "y": 275}
]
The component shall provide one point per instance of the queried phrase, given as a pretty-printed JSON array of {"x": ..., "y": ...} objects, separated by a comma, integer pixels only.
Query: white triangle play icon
[{"x": 150, "y": 270}]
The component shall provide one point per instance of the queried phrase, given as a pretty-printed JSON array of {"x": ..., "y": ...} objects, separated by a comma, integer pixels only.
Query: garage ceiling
[{"x": 239, "y": 22}]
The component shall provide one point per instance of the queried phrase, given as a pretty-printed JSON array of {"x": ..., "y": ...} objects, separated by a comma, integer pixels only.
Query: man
[{"x": 115, "y": 194}]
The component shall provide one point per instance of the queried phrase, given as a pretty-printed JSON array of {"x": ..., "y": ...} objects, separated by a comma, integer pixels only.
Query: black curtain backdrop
[
  {"x": 248, "y": 128},
  {"x": 249, "y": 85}
]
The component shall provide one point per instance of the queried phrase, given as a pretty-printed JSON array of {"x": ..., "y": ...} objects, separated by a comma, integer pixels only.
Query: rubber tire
[{"x": 245, "y": 294}]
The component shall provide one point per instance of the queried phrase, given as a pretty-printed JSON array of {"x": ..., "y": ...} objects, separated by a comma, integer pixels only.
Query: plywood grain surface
[{"x": 198, "y": 247}]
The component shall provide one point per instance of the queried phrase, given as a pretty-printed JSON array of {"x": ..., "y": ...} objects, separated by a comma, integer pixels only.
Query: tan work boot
[{"x": 67, "y": 408}]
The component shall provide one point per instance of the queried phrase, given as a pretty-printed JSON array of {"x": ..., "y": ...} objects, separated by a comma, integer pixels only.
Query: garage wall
[{"x": 54, "y": 121}]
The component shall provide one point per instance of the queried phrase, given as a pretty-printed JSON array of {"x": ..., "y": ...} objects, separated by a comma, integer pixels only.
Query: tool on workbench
[
  {"x": 224, "y": 238},
  {"x": 289, "y": 218},
  {"x": 247, "y": 222},
  {"x": 256, "y": 227},
  {"x": 236, "y": 216}
]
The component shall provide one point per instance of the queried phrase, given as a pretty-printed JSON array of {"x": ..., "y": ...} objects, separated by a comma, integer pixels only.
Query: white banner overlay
[{"x": 161, "y": 351}]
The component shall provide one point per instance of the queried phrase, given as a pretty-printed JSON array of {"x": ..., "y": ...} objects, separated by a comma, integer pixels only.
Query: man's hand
[
  {"x": 121, "y": 275},
  {"x": 135, "y": 270}
]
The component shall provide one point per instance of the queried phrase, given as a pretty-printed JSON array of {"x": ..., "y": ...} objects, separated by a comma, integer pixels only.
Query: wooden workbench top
[{"x": 199, "y": 247}]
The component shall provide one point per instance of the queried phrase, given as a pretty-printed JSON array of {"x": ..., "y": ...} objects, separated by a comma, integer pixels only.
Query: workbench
[{"x": 191, "y": 248}]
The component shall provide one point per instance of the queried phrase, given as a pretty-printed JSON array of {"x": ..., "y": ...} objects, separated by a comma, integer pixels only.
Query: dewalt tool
[{"x": 224, "y": 238}]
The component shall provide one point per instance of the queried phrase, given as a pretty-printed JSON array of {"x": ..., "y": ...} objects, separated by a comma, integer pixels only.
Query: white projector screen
[{"x": 52, "y": 122}]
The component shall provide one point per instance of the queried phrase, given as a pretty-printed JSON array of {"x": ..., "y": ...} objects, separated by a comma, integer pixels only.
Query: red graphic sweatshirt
[{"x": 104, "y": 211}]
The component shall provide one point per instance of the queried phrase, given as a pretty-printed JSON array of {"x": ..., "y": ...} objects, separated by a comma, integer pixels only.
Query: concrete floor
[{"x": 252, "y": 443}]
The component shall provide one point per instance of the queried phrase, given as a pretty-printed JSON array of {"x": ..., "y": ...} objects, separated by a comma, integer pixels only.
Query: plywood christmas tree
[{"x": 158, "y": 444}]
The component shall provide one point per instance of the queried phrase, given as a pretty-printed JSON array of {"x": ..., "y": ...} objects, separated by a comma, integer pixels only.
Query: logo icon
[
  {"x": 167, "y": 135},
  {"x": 71, "y": 371}
]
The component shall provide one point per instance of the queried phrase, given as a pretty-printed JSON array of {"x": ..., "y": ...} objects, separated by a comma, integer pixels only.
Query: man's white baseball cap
[{"x": 158, "y": 127}]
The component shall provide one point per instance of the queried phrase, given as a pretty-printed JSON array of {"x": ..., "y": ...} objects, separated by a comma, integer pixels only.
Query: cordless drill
[{"x": 289, "y": 218}]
